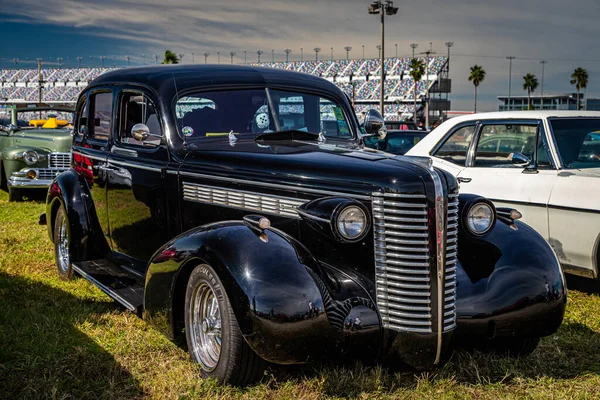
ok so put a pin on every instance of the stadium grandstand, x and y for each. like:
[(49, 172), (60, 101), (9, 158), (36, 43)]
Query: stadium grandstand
[(358, 78)]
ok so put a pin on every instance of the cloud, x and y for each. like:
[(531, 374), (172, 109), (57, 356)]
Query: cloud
[(539, 29)]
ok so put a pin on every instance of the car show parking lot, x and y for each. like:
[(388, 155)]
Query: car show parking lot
[(69, 340)]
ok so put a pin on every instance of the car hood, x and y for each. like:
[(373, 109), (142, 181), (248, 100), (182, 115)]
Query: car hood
[(311, 164), (58, 140)]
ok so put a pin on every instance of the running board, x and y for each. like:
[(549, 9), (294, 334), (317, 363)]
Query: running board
[(120, 284)]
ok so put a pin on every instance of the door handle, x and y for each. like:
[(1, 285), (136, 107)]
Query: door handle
[(462, 179)]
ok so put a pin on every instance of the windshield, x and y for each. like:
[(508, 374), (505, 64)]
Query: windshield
[(258, 111), (578, 141)]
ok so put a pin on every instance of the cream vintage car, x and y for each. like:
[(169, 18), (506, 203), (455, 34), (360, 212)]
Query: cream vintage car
[(545, 163)]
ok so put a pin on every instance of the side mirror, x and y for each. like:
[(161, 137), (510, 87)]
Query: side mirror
[(140, 132), (520, 160), (373, 122)]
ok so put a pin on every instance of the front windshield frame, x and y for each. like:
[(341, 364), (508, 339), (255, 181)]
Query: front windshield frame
[(350, 119), (563, 164)]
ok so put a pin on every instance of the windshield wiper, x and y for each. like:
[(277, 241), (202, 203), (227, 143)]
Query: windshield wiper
[(292, 134)]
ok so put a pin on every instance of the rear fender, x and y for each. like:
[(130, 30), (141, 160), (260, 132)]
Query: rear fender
[(270, 281), (72, 192)]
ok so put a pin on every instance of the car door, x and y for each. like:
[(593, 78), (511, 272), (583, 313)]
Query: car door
[(90, 143), (136, 180), (492, 169)]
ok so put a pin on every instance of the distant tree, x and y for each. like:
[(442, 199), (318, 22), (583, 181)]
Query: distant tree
[(170, 58), (579, 78), (530, 83), (417, 70), (476, 76)]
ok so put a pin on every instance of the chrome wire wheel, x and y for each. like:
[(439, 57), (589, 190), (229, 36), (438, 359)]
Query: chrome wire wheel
[(205, 323), (62, 247)]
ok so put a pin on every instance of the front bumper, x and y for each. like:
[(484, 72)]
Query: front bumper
[(43, 178)]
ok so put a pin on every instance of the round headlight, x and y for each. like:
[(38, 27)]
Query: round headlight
[(30, 157), (480, 218), (352, 223)]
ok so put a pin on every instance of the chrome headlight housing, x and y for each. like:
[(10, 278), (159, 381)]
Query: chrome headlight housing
[(480, 218), (30, 157), (352, 223)]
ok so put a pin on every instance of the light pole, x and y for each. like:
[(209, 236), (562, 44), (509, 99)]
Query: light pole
[(101, 61), (206, 57), (317, 50), (244, 57), (258, 54), (192, 57), (181, 55), (427, 53), (287, 54), (79, 61), (413, 46), (129, 59), (363, 47), (347, 48), (301, 54), (378, 51), (144, 55), (396, 45), (59, 59), (543, 62), (114, 61), (332, 54), (448, 45), (382, 8), (232, 53), (510, 59), (272, 55), (156, 59), (218, 57)]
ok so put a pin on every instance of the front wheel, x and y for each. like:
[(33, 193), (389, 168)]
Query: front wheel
[(62, 238), (213, 336)]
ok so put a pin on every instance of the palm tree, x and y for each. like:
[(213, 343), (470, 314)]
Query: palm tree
[(417, 70), (530, 84), (579, 78), (477, 76), (170, 58)]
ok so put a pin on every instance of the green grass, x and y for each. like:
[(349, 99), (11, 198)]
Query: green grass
[(67, 340)]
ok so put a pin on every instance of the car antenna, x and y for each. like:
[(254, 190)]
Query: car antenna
[(185, 145)]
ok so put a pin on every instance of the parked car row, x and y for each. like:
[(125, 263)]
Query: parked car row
[(237, 207)]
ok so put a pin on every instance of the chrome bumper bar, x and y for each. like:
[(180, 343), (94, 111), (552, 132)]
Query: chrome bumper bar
[(42, 180)]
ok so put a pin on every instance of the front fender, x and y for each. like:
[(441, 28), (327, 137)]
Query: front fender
[(270, 281), (72, 192), (11, 164), (510, 283)]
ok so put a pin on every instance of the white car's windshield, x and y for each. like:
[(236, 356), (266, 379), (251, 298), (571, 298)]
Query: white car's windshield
[(256, 112), (578, 141)]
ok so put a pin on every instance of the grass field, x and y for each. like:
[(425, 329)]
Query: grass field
[(67, 340)]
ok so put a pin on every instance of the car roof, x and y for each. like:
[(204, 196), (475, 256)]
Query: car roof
[(532, 114), (183, 76)]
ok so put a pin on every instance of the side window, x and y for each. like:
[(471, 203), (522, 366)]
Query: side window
[(81, 124), (498, 143), (333, 123), (99, 128), (456, 147), (136, 108)]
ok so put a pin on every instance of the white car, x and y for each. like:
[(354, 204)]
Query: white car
[(546, 164)]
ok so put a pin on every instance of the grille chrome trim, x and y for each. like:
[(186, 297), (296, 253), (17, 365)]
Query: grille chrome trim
[(252, 201), (59, 160), (451, 263)]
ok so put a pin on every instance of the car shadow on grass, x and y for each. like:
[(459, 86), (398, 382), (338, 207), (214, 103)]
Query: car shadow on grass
[(570, 353), (42, 352), (585, 285)]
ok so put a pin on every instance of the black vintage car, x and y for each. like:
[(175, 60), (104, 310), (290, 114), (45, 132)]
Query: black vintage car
[(236, 206)]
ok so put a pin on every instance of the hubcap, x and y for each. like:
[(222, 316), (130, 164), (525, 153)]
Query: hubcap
[(63, 246), (205, 324)]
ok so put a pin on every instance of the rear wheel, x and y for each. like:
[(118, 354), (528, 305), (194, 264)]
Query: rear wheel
[(213, 336), (62, 239), (15, 194)]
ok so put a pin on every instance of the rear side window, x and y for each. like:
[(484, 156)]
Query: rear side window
[(100, 125), (456, 146)]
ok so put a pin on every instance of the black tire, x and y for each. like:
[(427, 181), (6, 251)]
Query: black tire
[(15, 194), (237, 363), (62, 259), (516, 346)]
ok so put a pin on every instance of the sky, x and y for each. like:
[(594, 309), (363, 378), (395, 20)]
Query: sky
[(484, 32)]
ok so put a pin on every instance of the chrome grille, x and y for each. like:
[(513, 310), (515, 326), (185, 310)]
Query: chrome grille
[(402, 274), (59, 160), (48, 173), (451, 259), (283, 206)]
